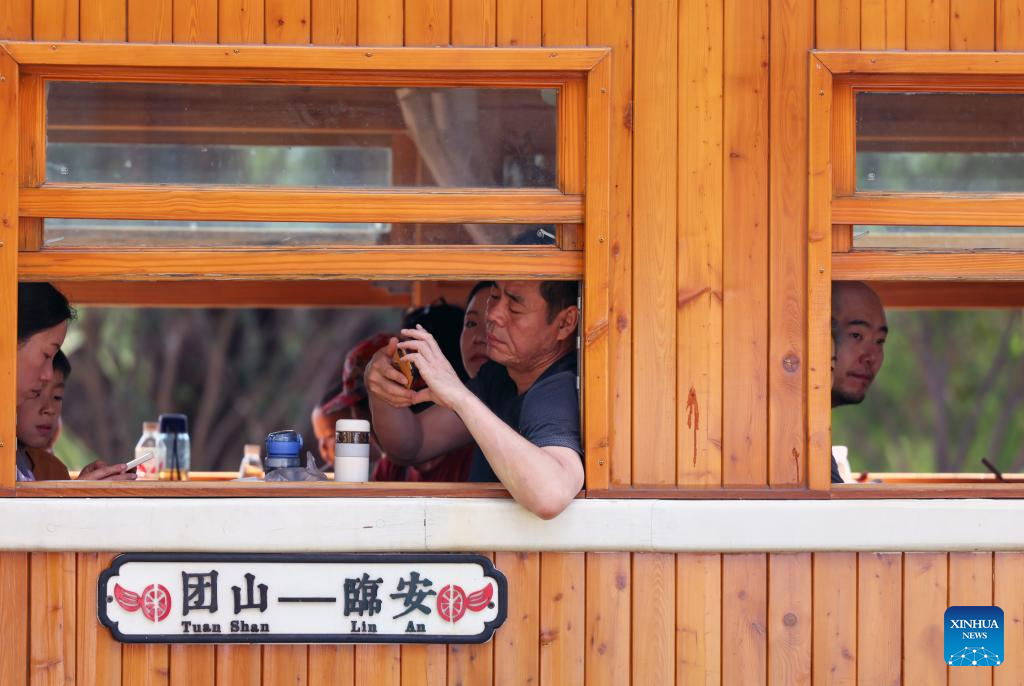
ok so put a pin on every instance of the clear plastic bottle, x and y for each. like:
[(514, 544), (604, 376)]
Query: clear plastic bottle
[(149, 470), (173, 447), (252, 464)]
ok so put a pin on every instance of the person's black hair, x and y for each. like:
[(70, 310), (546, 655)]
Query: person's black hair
[(559, 295), (479, 286), (444, 323), (62, 364), (40, 307)]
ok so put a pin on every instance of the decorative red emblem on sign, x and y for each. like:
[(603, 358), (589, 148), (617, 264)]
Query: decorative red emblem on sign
[(452, 601), (154, 601)]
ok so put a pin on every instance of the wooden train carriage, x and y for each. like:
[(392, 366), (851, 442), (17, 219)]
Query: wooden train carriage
[(705, 194)]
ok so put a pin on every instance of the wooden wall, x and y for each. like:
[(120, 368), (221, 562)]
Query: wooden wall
[(595, 618)]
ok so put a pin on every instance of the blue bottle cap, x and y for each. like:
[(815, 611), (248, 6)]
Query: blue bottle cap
[(283, 448)]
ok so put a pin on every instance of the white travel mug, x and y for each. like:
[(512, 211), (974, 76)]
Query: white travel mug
[(352, 450)]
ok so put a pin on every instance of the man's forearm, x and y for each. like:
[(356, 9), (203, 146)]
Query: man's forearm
[(397, 430)]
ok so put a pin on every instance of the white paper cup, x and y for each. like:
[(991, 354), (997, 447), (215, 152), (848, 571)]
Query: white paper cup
[(352, 459), (351, 469)]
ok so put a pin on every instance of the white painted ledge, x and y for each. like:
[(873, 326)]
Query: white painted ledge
[(454, 525)]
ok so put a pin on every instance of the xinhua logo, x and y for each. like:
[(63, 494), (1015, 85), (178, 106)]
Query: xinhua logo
[(974, 636)]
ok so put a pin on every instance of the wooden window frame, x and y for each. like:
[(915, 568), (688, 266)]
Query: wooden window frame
[(582, 252), (913, 277)]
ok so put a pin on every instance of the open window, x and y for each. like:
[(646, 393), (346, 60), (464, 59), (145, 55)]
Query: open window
[(253, 176), (917, 186)]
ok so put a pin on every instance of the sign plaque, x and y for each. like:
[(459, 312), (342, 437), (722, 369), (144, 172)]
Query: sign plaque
[(309, 598)]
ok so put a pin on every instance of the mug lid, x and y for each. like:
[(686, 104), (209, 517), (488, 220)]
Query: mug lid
[(352, 425)]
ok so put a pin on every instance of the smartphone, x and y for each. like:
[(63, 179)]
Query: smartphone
[(144, 457)]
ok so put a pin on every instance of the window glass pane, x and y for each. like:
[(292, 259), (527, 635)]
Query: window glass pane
[(938, 237), (77, 233), (300, 135), (942, 142)]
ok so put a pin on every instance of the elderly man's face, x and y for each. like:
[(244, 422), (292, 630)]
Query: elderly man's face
[(519, 334), (860, 345)]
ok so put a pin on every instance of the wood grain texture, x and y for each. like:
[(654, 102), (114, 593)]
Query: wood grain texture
[(1009, 24), (655, 188), (334, 22), (287, 22), (925, 599), (145, 665), (890, 266), (98, 655), (54, 20), (970, 583), (926, 209), (745, 618), (518, 22), (745, 242), (9, 153), (516, 645), (895, 24), (872, 24), (474, 22), (193, 665), (654, 618), (424, 665), (332, 665), (608, 615), (928, 24), (564, 22), (879, 595), (972, 24), (938, 296), (470, 664), (835, 618), (151, 21), (1008, 593), (16, 20), (699, 619), (238, 665), (789, 619), (562, 617), (32, 152), (380, 22), (837, 24), (240, 21), (699, 412), (427, 22), (52, 618), (14, 614), (285, 665), (792, 31), (610, 22), (195, 21), (104, 21)]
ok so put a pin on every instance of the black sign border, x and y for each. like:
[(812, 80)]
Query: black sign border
[(323, 558)]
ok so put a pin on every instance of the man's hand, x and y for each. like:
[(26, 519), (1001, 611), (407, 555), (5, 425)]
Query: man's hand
[(101, 471), (384, 381), (443, 385)]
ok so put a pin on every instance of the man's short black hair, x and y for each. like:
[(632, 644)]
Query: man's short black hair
[(62, 364), (559, 295)]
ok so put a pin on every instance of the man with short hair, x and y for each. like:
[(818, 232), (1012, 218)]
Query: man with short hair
[(522, 409), (859, 330)]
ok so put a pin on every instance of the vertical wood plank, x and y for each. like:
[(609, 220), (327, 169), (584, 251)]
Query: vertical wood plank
[(1008, 593), (149, 21), (1009, 24), (424, 665), (474, 22), (562, 596), (895, 24), (610, 22), (55, 20), (195, 21), (285, 664), (745, 618), (608, 618), (238, 665), (654, 588), (470, 664), (145, 665), (972, 25), (699, 619), (334, 22), (924, 602), (970, 583), (427, 22), (9, 151), (928, 24), (378, 665), (655, 166), (516, 649), (16, 20), (745, 240), (333, 665), (835, 618), (789, 619), (519, 22), (564, 22), (14, 615), (32, 153), (872, 25), (287, 22), (699, 270), (52, 618), (380, 22), (192, 665), (837, 24), (792, 31), (240, 21), (98, 655), (879, 612), (105, 20)]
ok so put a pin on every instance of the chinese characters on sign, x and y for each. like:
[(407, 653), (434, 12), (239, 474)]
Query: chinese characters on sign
[(302, 598)]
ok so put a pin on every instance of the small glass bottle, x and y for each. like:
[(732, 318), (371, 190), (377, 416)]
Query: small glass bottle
[(352, 450), (173, 448), (149, 470), (252, 465)]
